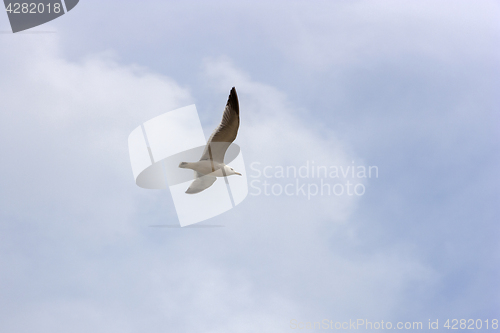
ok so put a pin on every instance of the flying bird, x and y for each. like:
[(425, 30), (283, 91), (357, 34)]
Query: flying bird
[(211, 164)]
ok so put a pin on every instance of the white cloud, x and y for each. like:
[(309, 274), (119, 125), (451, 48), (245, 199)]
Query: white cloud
[(75, 226)]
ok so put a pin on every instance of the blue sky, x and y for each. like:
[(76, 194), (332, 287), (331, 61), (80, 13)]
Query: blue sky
[(411, 87)]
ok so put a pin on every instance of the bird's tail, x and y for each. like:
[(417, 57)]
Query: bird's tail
[(183, 165)]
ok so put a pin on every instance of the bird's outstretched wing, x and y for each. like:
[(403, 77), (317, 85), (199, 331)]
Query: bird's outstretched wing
[(200, 183), (225, 133)]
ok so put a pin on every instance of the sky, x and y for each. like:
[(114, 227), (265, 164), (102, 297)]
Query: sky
[(410, 87)]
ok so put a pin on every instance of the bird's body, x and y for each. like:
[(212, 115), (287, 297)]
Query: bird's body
[(211, 164), (209, 168)]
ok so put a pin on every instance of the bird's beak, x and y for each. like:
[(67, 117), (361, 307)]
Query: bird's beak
[(239, 174)]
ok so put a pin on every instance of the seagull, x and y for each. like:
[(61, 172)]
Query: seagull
[(211, 164)]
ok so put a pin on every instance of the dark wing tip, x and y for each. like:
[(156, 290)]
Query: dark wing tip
[(232, 101)]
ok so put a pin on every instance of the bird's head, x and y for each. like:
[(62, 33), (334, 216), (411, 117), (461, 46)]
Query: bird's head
[(230, 171)]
